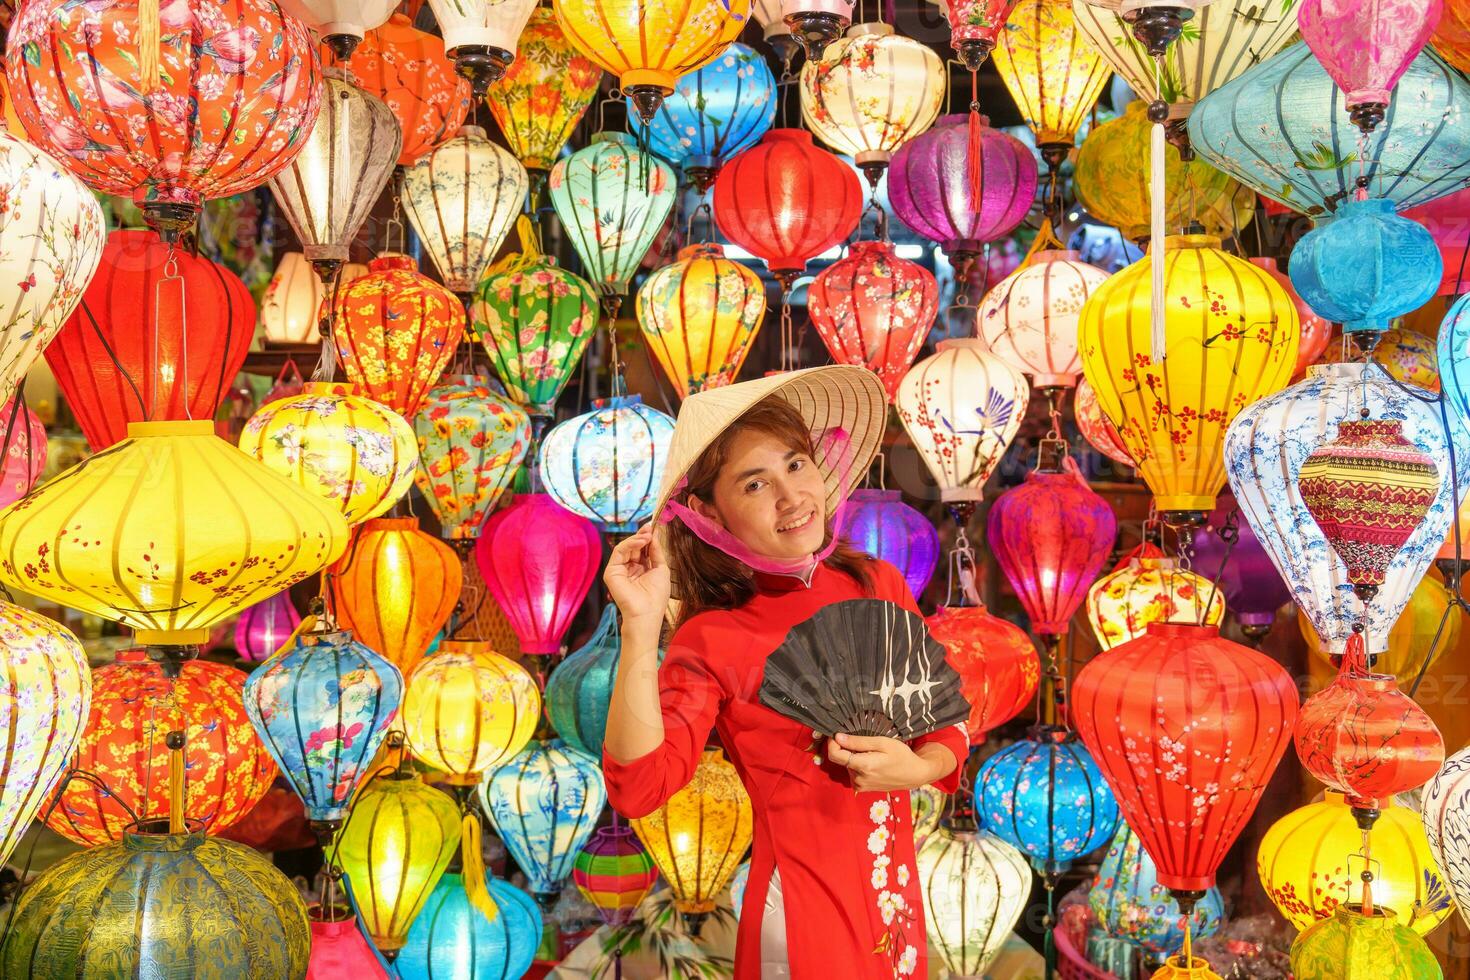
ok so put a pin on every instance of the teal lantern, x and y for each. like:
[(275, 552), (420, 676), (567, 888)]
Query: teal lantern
[(608, 464), (1366, 266), (544, 804), (1131, 905), (612, 199), (452, 940), (580, 688)]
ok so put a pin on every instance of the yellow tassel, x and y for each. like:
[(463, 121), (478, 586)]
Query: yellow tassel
[(1046, 239), (529, 253), (176, 791), (474, 868), (150, 37), (306, 625)]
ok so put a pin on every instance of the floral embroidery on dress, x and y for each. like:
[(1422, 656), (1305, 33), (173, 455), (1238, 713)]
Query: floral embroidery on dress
[(896, 911)]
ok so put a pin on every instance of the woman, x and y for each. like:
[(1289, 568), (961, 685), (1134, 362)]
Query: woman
[(755, 473)]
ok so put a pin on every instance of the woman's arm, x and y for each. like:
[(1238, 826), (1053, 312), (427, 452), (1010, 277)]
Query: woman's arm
[(635, 722)]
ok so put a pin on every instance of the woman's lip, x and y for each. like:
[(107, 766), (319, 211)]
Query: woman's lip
[(797, 527)]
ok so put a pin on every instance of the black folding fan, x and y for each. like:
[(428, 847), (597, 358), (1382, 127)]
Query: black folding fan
[(864, 667)]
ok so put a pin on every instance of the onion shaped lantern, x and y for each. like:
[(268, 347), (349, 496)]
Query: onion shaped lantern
[(1316, 331), (997, 664), (614, 873), (1252, 587), (1096, 427), (339, 948), (1421, 633), (468, 710), (975, 887), (608, 464), (1124, 603), (481, 36), (471, 443), (1356, 944), (1030, 317), (291, 308), (264, 627), (579, 690), (451, 932), (879, 523), (24, 454), (544, 93), (1366, 48), (407, 69), (340, 24), (1131, 905), (1051, 71), (973, 27)]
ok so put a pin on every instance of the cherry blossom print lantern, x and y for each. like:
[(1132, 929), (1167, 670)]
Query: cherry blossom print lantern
[(340, 24), (1123, 604), (1367, 47), (1051, 71), (214, 104), (879, 523), (1030, 318), (264, 627), (607, 465), (481, 36), (996, 662), (24, 451)]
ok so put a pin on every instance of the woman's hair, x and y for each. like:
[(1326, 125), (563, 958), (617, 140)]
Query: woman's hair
[(705, 577)]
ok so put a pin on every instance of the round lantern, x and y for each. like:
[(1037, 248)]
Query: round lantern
[(261, 629), (539, 560), (452, 938), (874, 309), (613, 872), (975, 887), (1051, 71), (1096, 428), (1417, 629), (134, 708), (612, 199), (1316, 331), (323, 707), (579, 690), (1252, 587), (469, 710), (1122, 604), (1410, 357), (1355, 946), (481, 36), (1030, 318), (407, 69), (339, 948), (147, 345), (170, 137), (24, 456), (1445, 816), (208, 901), (341, 25), (1171, 405), (879, 523), (608, 464), (996, 662), (396, 331), (1131, 905), (699, 316), (471, 443), (395, 588), (291, 308), (1367, 49), (170, 532)]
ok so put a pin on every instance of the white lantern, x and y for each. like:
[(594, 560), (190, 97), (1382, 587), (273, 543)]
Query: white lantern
[(1030, 318), (290, 310), (974, 886), (481, 36), (1446, 814), (341, 23)]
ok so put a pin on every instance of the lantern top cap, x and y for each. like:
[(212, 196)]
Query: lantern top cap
[(870, 29), (788, 136), (702, 250), (388, 261), (612, 136), (181, 427), (1191, 241), (468, 132), (1193, 631)]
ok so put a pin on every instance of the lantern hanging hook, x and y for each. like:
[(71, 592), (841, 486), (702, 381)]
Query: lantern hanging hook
[(175, 376)]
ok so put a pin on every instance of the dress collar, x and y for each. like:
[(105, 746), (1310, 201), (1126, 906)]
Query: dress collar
[(774, 583)]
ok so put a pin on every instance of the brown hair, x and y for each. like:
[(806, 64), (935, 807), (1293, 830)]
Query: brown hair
[(705, 577)]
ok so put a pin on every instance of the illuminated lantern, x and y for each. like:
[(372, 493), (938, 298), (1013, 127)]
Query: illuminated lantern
[(975, 887), (1410, 357), (339, 949), (1417, 633), (1367, 48), (1096, 428), (1445, 816), (333, 442), (452, 938), (1131, 905), (1353, 945), (538, 560), (996, 662), (874, 309), (323, 707), (543, 94), (25, 451), (613, 872), (1051, 71), (406, 68), (1452, 357), (462, 198), (973, 28), (341, 25), (962, 408), (648, 47), (699, 835), (481, 36), (926, 806), (1030, 318), (579, 690), (1173, 428), (471, 442), (395, 588), (1451, 38), (544, 804), (393, 849), (879, 523), (290, 310), (608, 464), (1122, 604), (699, 316), (171, 532), (146, 346), (261, 629), (134, 707), (396, 331), (1305, 865), (1316, 331), (469, 710), (1252, 587)]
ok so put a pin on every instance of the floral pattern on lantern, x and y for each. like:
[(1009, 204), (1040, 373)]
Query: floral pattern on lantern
[(1051, 71), (1444, 812), (25, 448), (879, 523), (544, 93), (471, 444), (613, 872), (1122, 604), (996, 662), (1030, 318), (608, 464), (975, 887), (1096, 428), (1131, 905), (1352, 944), (699, 316), (1408, 356), (1316, 332), (290, 310), (468, 710)]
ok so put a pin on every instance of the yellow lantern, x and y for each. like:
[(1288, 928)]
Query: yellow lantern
[(468, 709), (1054, 75), (170, 532), (698, 837), (1122, 604), (1410, 638), (337, 444), (699, 316), (1307, 866), (1230, 338), (1410, 357), (648, 45), (291, 309)]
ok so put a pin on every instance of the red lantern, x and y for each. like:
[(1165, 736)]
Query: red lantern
[(339, 949), (1316, 331), (874, 309), (785, 201), (996, 662), (1187, 728), (538, 560), (143, 346)]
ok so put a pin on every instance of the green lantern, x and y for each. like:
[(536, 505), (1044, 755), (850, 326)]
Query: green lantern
[(1354, 946)]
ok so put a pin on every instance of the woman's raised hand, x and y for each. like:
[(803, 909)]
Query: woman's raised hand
[(637, 576)]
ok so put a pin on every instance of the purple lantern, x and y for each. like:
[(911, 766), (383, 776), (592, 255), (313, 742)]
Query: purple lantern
[(929, 186), (1253, 587), (879, 523), (263, 629)]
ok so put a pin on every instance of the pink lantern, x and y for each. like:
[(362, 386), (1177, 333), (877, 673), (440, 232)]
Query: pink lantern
[(1366, 46), (339, 949), (263, 629), (973, 27), (25, 451), (1096, 427), (538, 561), (1448, 220)]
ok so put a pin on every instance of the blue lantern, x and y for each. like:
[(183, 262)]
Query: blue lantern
[(1045, 795), (1281, 128), (544, 804), (1130, 904), (322, 707), (1453, 353), (580, 688), (452, 940), (607, 465), (879, 523), (713, 114), (1366, 266)]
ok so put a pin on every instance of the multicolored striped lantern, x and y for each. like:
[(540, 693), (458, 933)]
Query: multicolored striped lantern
[(995, 659), (879, 523), (699, 316), (608, 464), (471, 444), (614, 873)]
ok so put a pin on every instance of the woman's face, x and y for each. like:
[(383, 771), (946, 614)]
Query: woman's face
[(770, 496)]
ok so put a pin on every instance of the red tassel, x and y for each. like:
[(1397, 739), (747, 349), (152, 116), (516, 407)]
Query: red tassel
[(1355, 656), (976, 128)]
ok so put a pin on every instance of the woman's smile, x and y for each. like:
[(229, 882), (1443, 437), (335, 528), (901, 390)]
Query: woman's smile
[(796, 524)]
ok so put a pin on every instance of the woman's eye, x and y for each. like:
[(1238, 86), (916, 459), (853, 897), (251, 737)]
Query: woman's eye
[(752, 486), (797, 464)]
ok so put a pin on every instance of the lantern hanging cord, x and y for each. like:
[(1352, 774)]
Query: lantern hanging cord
[(788, 332), (122, 372), (961, 568), (1157, 114), (170, 275), (1229, 534), (612, 306), (326, 365)]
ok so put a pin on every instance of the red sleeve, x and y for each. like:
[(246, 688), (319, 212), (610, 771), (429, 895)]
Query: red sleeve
[(689, 697)]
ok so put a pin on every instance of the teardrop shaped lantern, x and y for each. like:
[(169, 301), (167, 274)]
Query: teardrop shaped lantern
[(543, 95), (975, 887), (1353, 945), (995, 659), (450, 931), (1124, 603), (613, 872), (407, 69), (579, 690), (1130, 904), (261, 629), (1030, 317), (468, 710), (1096, 428), (481, 36), (340, 24), (291, 307), (1367, 47), (608, 464)]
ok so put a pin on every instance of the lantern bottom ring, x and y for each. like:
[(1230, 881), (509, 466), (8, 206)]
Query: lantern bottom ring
[(170, 218)]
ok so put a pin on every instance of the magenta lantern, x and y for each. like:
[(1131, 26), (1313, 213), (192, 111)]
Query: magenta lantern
[(263, 628), (538, 559), (25, 451), (1366, 46), (879, 523)]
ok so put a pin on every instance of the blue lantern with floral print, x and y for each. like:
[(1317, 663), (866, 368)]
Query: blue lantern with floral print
[(450, 938), (607, 465), (879, 523), (1131, 905)]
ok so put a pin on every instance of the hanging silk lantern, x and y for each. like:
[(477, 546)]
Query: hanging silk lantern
[(879, 523), (1452, 358), (1410, 357), (1130, 904), (1366, 49), (786, 202), (544, 803), (973, 27), (1124, 603), (613, 872), (146, 345), (962, 408), (1421, 631), (341, 25), (393, 849), (452, 938), (816, 23), (1354, 946), (134, 708), (699, 316), (172, 139), (322, 708), (481, 36), (1252, 587), (1051, 71), (24, 456), (1340, 267), (1096, 427), (543, 94), (1451, 38), (648, 47), (996, 662), (333, 442), (579, 690), (975, 887), (1173, 428), (462, 198), (209, 901), (290, 309), (395, 588), (539, 560), (396, 331), (1316, 331), (612, 199), (608, 464), (1304, 865), (339, 948), (468, 710), (261, 629), (1444, 814), (1030, 318), (471, 443), (171, 532), (407, 69), (874, 309)]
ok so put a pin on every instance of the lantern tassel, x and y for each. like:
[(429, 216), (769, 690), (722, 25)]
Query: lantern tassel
[(474, 868), (150, 31), (1156, 242), (175, 744), (977, 129)]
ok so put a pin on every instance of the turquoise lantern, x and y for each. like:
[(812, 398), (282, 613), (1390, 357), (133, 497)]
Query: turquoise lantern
[(452, 940), (1453, 354), (580, 688), (608, 464), (544, 804), (1131, 905)]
